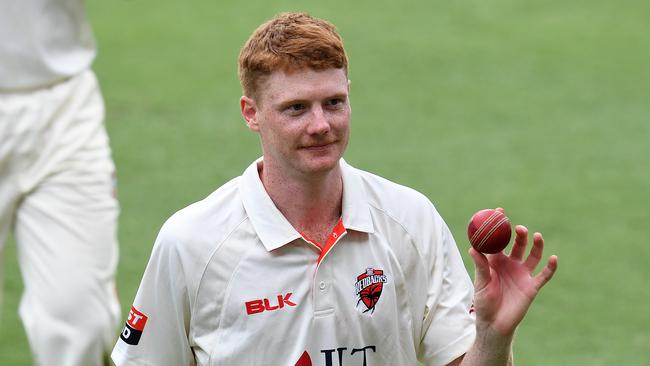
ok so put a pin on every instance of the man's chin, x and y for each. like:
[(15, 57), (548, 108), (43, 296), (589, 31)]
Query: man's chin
[(321, 164)]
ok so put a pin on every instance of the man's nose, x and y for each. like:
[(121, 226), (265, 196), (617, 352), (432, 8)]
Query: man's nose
[(319, 123)]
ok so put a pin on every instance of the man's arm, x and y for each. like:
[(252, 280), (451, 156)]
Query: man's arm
[(505, 288), (156, 330)]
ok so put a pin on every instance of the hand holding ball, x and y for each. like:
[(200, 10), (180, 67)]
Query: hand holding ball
[(489, 231)]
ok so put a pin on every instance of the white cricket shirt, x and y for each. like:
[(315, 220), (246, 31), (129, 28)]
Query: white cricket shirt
[(42, 42), (231, 282)]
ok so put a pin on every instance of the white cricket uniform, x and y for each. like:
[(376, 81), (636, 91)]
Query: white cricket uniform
[(57, 182), (231, 282)]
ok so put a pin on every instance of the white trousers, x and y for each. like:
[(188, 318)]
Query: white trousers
[(57, 195)]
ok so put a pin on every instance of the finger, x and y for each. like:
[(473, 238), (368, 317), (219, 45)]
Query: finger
[(482, 269), (521, 241), (500, 209), (535, 255), (547, 273)]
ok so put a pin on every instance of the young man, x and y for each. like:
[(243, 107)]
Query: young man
[(56, 182), (305, 260)]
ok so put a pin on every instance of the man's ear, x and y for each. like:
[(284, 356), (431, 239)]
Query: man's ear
[(249, 112)]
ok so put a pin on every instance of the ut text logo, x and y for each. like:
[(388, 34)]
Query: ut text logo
[(134, 326), (355, 357), (329, 352), (262, 305)]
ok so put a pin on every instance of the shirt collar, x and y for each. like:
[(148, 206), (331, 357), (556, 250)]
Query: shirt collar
[(275, 230), (356, 209)]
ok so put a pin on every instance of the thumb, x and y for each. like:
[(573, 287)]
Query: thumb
[(481, 269)]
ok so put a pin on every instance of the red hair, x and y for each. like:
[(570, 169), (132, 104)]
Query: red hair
[(289, 42)]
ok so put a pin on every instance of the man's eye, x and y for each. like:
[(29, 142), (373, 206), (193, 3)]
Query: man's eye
[(296, 107), (335, 102)]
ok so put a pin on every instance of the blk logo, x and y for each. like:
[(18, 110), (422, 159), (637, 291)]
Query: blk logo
[(262, 305), (368, 287), (134, 326)]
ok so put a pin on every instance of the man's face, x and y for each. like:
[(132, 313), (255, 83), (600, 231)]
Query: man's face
[(303, 120)]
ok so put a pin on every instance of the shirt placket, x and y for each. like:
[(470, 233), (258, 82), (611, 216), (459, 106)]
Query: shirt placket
[(322, 283)]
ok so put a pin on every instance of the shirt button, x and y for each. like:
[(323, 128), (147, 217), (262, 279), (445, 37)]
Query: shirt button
[(321, 285)]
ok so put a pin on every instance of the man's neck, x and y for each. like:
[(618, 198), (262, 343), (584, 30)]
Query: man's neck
[(311, 204)]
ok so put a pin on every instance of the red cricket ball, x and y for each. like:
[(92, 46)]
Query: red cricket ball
[(489, 231)]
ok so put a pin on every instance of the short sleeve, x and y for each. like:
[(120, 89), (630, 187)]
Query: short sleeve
[(449, 323), (157, 327)]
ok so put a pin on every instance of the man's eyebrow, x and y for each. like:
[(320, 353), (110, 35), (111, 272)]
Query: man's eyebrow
[(297, 100), (288, 102), (338, 96)]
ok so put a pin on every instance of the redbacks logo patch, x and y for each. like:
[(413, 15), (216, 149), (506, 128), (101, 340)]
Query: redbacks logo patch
[(368, 287), (134, 326)]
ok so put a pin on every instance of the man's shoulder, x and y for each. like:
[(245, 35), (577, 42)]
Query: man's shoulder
[(387, 194), (401, 205), (207, 220)]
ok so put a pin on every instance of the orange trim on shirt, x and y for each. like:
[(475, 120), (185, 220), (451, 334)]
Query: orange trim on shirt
[(337, 233), (312, 242)]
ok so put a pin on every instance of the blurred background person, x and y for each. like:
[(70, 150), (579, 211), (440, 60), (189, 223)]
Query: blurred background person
[(57, 191)]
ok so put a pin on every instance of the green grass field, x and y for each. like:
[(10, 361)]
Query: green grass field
[(541, 107)]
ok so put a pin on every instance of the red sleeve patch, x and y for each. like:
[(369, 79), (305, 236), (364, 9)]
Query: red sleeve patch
[(136, 320), (134, 326)]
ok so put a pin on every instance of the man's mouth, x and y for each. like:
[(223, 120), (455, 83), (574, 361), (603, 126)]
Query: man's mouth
[(317, 146)]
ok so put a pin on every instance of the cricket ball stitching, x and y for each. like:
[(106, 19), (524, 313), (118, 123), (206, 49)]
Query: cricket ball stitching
[(481, 228), (492, 230)]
